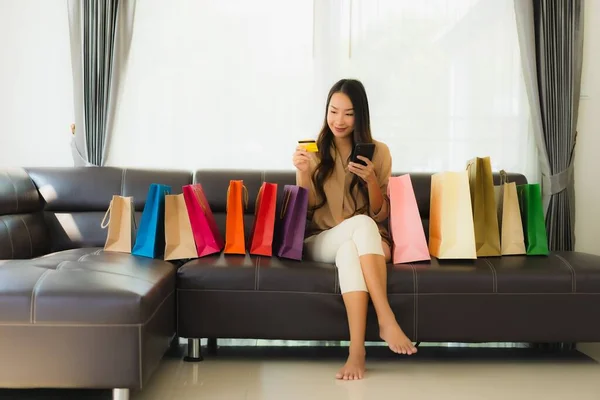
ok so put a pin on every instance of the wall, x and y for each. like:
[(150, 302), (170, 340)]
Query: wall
[(587, 155), (36, 101)]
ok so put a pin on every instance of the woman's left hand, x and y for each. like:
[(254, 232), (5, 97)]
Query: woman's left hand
[(366, 172)]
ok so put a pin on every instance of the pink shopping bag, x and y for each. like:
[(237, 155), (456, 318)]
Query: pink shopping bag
[(207, 237), (406, 227)]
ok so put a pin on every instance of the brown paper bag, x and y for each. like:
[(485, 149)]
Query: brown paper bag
[(451, 233), (121, 225), (509, 217), (483, 203), (179, 238)]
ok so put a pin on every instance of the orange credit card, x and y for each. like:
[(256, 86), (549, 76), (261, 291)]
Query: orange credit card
[(309, 145)]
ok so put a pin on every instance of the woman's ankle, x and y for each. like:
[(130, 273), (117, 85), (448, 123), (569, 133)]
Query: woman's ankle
[(357, 347)]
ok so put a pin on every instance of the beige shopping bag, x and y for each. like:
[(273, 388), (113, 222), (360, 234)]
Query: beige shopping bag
[(120, 220), (451, 232), (509, 216), (483, 203), (179, 238)]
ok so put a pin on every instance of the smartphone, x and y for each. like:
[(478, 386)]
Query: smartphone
[(362, 149)]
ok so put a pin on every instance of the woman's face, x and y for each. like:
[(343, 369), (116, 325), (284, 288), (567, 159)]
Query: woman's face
[(340, 115)]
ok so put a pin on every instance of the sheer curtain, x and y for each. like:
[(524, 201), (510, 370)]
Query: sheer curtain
[(235, 84)]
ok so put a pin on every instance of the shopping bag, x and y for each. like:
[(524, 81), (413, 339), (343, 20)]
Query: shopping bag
[(291, 224), (120, 224), (237, 201), (150, 240), (207, 237), (179, 239), (512, 241), (451, 232), (261, 235), (532, 215), (483, 203), (406, 227)]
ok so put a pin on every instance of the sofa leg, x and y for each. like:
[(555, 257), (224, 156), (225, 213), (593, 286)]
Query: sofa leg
[(212, 346), (194, 353), (120, 394)]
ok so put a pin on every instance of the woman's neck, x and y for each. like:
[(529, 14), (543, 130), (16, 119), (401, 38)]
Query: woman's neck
[(344, 145)]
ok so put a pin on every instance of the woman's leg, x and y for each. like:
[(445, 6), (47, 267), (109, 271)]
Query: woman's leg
[(366, 237), (356, 301)]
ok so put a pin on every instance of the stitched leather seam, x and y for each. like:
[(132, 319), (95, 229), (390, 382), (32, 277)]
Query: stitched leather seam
[(16, 192), (258, 273), (140, 353), (573, 273), (415, 297), (12, 247), (29, 236), (335, 281), (123, 173), (494, 275), (389, 294), (61, 264), (88, 325), (34, 294)]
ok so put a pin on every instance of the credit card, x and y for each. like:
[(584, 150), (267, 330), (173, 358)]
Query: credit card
[(309, 145)]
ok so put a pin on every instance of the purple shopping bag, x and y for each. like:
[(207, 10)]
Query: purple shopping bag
[(291, 224)]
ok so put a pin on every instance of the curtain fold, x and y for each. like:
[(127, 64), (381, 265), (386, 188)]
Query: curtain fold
[(100, 33), (551, 45)]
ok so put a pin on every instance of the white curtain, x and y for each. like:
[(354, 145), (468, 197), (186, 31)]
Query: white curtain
[(214, 84)]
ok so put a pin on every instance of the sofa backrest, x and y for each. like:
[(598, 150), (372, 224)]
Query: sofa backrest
[(76, 199), (23, 233), (215, 185), (68, 206)]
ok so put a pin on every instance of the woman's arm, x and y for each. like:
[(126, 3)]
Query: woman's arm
[(304, 179), (377, 185)]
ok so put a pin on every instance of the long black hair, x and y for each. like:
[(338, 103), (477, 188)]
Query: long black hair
[(355, 90)]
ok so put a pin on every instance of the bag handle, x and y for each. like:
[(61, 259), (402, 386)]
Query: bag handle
[(258, 198), (200, 201), (244, 200), (503, 177), (285, 204), (104, 224)]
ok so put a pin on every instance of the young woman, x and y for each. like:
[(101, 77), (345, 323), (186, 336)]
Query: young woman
[(348, 204)]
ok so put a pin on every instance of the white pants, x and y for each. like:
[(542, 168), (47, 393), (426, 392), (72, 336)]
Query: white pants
[(343, 245)]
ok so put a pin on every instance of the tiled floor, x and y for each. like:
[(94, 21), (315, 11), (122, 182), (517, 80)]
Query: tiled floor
[(307, 373)]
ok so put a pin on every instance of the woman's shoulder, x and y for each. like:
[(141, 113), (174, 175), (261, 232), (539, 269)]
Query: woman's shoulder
[(382, 151)]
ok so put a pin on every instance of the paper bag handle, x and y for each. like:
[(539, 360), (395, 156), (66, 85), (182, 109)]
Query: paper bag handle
[(104, 224), (285, 204), (503, 177), (245, 200)]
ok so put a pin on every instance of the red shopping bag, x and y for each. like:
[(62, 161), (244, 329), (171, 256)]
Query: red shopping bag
[(261, 236), (207, 237)]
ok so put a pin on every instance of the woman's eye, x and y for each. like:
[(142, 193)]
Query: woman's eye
[(349, 115), (333, 112)]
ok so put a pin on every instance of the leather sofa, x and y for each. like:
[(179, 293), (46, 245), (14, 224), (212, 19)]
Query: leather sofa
[(73, 316)]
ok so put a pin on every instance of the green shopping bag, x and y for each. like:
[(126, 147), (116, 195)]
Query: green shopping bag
[(534, 224)]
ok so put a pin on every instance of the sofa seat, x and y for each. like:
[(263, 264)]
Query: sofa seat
[(91, 311), (510, 298)]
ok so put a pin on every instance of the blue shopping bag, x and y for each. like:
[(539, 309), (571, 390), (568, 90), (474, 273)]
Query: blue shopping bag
[(150, 240)]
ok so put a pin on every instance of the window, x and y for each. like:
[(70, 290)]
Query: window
[(214, 84)]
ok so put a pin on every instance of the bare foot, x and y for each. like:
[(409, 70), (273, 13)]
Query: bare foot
[(396, 339), (354, 369)]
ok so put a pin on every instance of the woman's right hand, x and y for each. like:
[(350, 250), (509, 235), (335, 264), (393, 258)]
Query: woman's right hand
[(301, 159)]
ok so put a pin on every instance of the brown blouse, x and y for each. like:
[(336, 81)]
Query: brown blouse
[(340, 205)]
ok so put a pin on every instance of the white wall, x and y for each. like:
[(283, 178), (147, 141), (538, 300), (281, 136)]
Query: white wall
[(587, 156), (36, 100)]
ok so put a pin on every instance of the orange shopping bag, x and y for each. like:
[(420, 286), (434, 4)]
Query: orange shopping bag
[(237, 201)]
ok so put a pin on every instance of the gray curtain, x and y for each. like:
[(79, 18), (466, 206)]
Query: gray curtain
[(101, 32), (551, 42)]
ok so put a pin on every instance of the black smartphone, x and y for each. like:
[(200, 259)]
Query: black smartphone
[(362, 149)]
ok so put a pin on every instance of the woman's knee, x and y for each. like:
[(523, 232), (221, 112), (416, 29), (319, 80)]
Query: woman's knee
[(366, 235)]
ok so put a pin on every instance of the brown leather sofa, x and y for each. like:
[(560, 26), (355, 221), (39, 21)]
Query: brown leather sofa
[(73, 316)]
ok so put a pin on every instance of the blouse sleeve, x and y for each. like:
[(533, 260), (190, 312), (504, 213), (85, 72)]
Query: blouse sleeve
[(383, 169)]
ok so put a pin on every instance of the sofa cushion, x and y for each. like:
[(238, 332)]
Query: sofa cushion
[(84, 286)]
